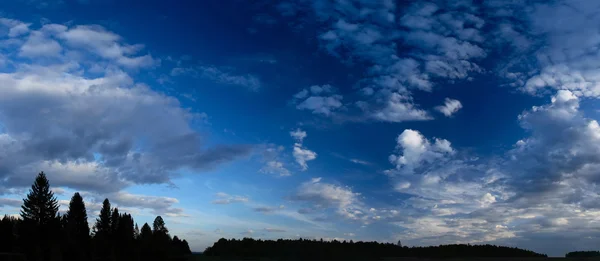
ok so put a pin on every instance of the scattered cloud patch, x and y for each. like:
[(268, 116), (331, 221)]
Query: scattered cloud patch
[(321, 100), (301, 154), (323, 196), (298, 135), (225, 199), (274, 230), (450, 107), (276, 168), (221, 76)]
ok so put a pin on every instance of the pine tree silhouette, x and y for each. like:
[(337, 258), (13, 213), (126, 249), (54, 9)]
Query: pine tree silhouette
[(103, 222), (78, 230), (40, 206), (102, 242), (43, 234), (146, 232), (40, 221), (114, 222)]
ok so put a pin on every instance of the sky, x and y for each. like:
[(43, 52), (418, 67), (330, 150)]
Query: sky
[(429, 122)]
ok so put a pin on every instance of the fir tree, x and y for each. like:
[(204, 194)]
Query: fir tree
[(146, 232), (78, 231), (77, 219), (114, 222), (103, 222), (40, 206)]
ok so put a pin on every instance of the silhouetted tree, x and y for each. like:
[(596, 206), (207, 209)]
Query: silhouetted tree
[(103, 222), (580, 254), (40, 206), (114, 221), (45, 235), (145, 243), (78, 230), (40, 223), (8, 234), (160, 239), (146, 232), (102, 244), (158, 226), (301, 249)]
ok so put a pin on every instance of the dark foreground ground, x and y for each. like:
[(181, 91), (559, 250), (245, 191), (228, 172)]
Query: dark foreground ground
[(199, 257)]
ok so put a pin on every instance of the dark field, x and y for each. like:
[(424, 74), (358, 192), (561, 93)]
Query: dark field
[(199, 257)]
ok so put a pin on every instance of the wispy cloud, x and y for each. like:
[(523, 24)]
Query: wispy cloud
[(221, 76), (450, 107), (225, 199)]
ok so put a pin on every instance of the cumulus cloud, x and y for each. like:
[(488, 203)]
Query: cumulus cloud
[(399, 108), (416, 150), (319, 99), (322, 195), (450, 107), (15, 27), (544, 187), (91, 132), (301, 155), (225, 199)]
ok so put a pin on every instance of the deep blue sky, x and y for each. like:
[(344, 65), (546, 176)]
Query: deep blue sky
[(430, 122)]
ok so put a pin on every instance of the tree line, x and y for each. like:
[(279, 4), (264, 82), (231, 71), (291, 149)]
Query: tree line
[(41, 233), (303, 249), (583, 254)]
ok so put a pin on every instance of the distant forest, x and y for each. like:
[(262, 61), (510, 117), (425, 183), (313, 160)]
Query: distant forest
[(303, 249), (41, 233), (583, 254)]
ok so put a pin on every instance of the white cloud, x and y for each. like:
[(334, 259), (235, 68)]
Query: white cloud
[(361, 162), (298, 135), (159, 205), (416, 150), (438, 43), (275, 167), (225, 199), (107, 45), (303, 155), (87, 131), (450, 107), (15, 28), (399, 108), (321, 195), (274, 161), (39, 45), (319, 99)]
